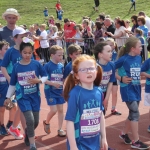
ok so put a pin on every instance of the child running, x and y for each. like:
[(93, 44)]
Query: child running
[(11, 57), (85, 119), (129, 68), (54, 88), (3, 90), (74, 51), (103, 55), (145, 71), (114, 48), (25, 81)]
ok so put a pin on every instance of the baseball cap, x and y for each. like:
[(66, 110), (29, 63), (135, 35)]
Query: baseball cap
[(19, 30)]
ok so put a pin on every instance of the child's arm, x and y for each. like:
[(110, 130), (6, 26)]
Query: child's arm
[(103, 139), (145, 74), (5, 73), (109, 89), (123, 79), (56, 85), (71, 135)]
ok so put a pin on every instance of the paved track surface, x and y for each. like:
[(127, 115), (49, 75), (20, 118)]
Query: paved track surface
[(114, 125)]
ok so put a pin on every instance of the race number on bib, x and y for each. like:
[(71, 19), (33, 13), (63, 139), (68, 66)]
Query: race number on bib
[(57, 78), (90, 121), (25, 76)]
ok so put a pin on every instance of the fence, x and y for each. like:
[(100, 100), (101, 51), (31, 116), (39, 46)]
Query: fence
[(87, 47)]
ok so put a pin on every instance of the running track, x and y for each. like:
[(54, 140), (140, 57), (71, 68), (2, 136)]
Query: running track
[(114, 125)]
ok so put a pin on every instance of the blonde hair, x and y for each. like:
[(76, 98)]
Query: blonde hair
[(113, 41), (43, 26), (71, 80), (54, 49), (126, 48), (54, 28), (52, 17), (86, 21)]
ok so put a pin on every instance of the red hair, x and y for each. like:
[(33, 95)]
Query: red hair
[(71, 80)]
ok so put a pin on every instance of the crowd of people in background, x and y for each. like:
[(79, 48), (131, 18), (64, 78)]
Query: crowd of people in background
[(71, 60)]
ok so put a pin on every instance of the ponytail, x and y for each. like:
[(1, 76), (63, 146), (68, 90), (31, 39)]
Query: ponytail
[(98, 78), (68, 85)]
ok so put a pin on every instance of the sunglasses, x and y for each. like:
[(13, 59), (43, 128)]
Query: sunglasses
[(127, 22), (138, 20), (132, 20)]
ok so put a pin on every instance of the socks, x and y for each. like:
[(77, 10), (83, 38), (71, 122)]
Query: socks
[(32, 145), (113, 107), (13, 127)]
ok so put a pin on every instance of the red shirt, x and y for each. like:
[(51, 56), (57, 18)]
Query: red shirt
[(69, 30), (58, 6)]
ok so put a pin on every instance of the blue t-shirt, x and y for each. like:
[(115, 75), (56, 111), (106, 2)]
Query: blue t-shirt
[(45, 12), (21, 74), (55, 74), (144, 29), (60, 14), (68, 69), (108, 75), (11, 57), (114, 56), (6, 34), (3, 86), (130, 66), (146, 68), (84, 110)]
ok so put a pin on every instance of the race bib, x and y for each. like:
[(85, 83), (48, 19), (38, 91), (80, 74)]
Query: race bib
[(90, 121), (135, 75), (57, 78), (23, 81), (25, 76), (2, 78)]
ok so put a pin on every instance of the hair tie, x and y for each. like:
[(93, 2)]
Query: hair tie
[(124, 46), (27, 40)]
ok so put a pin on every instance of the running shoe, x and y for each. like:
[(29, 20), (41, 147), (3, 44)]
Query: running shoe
[(115, 112), (16, 133), (125, 138), (139, 145), (33, 148), (46, 127), (3, 131), (148, 129)]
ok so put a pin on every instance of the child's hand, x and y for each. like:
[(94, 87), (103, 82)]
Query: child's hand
[(34, 80), (104, 145), (105, 103), (126, 79), (56, 85)]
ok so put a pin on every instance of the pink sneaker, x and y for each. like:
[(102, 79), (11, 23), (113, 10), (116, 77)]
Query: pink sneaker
[(16, 133)]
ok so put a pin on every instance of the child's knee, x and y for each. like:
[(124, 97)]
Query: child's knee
[(2, 109)]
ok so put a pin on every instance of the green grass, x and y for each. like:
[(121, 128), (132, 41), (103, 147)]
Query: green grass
[(31, 11)]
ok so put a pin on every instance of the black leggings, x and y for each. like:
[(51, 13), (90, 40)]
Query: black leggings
[(96, 3), (44, 52), (32, 121)]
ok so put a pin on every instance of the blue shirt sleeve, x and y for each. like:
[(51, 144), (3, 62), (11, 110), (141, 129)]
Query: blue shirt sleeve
[(146, 66), (13, 79), (72, 107), (119, 62), (6, 59), (112, 77)]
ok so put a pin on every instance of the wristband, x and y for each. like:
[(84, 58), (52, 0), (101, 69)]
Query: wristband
[(121, 79)]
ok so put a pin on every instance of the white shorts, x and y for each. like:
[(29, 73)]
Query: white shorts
[(147, 99)]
